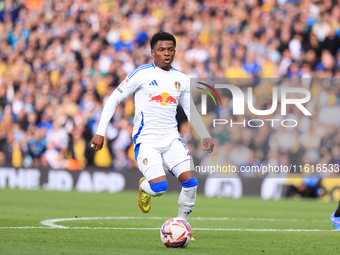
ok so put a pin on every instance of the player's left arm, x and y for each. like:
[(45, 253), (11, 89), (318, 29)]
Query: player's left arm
[(195, 119)]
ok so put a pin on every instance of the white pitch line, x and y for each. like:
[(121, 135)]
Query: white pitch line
[(51, 222), (258, 219), (194, 229), (23, 227)]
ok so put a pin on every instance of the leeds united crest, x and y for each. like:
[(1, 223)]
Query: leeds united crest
[(177, 85)]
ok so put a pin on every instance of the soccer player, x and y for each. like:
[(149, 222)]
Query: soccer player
[(335, 218), (158, 88)]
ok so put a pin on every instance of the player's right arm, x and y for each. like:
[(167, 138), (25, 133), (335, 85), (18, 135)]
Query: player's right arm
[(124, 90), (195, 119)]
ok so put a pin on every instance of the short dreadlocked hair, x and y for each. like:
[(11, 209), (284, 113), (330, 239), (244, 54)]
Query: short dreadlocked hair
[(162, 36)]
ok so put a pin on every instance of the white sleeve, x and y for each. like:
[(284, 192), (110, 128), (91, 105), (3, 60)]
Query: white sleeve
[(108, 111), (124, 90), (193, 116)]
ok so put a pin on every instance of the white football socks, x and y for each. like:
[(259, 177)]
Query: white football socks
[(186, 202)]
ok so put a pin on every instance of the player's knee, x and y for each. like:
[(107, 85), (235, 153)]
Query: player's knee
[(190, 183), (159, 187)]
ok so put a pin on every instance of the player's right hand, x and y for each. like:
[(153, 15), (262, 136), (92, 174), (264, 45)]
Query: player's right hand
[(208, 145), (97, 142)]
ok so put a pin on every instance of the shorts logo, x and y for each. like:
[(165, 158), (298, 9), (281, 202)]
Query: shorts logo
[(145, 161), (177, 85)]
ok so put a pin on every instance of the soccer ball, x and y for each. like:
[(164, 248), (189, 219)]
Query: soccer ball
[(175, 233)]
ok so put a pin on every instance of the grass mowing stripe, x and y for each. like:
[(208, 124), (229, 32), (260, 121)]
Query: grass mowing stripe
[(194, 229)]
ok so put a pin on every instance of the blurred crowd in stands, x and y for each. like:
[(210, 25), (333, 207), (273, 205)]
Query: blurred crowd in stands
[(61, 59)]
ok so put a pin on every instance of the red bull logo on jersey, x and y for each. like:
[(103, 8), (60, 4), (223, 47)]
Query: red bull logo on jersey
[(163, 99)]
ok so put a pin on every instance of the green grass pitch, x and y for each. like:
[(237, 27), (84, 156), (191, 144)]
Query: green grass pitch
[(28, 208)]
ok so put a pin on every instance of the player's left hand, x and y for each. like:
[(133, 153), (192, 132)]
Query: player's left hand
[(208, 145)]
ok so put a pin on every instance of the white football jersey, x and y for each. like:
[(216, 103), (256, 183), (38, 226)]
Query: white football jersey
[(156, 95)]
